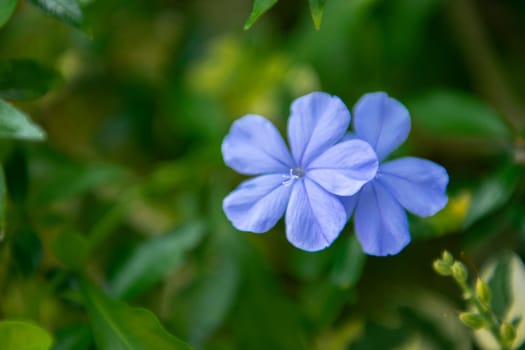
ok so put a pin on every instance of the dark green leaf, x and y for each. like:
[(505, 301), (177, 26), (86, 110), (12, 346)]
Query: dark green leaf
[(25, 79), (259, 7), (27, 250), (71, 249), (493, 193), (499, 284), (379, 336), (265, 318), (16, 335), (7, 7), (74, 337), (67, 11), (154, 260), (16, 125), (349, 263), (2, 203), (17, 176), (453, 113), (117, 326), (316, 9)]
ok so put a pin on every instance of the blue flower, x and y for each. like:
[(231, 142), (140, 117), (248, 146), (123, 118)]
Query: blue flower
[(410, 183), (306, 183)]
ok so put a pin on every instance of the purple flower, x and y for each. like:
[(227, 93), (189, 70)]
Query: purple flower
[(410, 183), (305, 183)]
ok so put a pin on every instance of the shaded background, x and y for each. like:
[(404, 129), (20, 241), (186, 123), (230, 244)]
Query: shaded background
[(128, 187)]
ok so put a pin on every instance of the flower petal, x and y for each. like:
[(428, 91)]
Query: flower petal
[(418, 184), (344, 168), (350, 136), (381, 121), (257, 204), (317, 121), (380, 222), (254, 146), (349, 203), (314, 217)]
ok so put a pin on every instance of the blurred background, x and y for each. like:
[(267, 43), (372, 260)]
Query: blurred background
[(127, 189)]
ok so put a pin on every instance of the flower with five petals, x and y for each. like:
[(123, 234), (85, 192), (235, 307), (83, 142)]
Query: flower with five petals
[(415, 184), (306, 183)]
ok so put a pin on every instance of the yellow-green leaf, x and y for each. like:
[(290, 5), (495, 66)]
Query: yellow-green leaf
[(17, 335), (259, 7), (317, 9)]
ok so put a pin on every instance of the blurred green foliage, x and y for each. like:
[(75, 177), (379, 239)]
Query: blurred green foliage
[(111, 118)]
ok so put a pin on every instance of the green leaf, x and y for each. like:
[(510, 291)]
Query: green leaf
[(321, 303), (316, 9), (16, 125), (68, 11), (26, 248), (154, 260), (259, 7), (7, 7), (505, 277), (16, 335), (499, 284), (17, 175), (2, 203), (378, 336), (309, 266), (493, 193), (71, 249), (25, 79), (407, 24), (265, 318), (73, 337), (454, 113), (70, 179), (212, 299), (117, 326), (349, 264)]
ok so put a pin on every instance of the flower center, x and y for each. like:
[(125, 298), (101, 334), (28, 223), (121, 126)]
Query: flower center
[(295, 173)]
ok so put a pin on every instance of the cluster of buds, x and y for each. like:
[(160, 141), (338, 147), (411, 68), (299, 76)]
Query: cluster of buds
[(482, 317)]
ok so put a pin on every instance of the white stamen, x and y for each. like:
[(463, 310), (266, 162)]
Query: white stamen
[(295, 173)]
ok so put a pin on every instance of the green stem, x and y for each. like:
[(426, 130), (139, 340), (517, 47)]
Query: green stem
[(487, 315)]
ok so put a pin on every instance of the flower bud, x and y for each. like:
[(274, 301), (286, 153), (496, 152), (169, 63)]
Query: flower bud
[(459, 272), (472, 320), (483, 291), (507, 333), (442, 268), (447, 257)]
